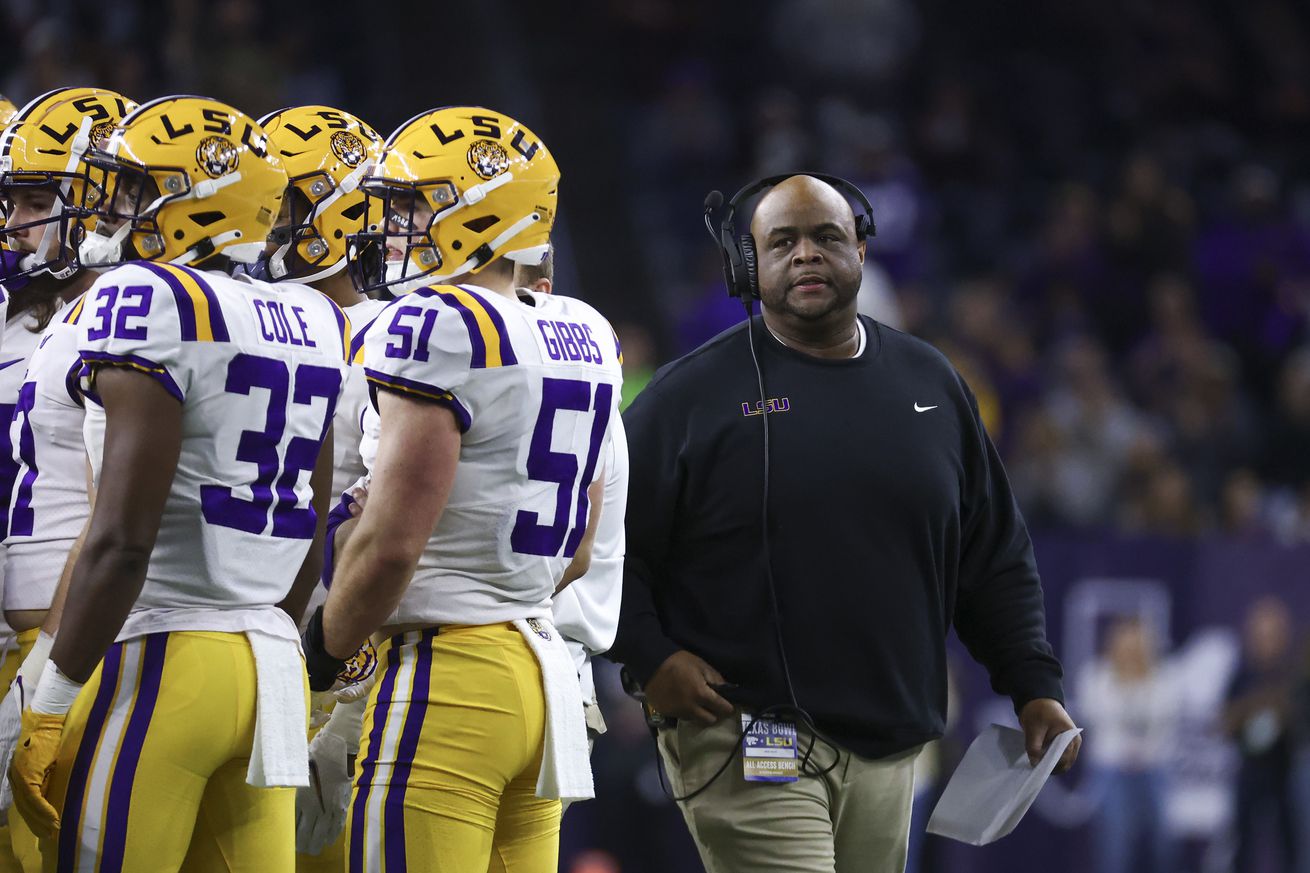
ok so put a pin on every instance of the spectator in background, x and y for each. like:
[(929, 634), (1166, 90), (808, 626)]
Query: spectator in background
[(1258, 716), (1086, 430), (1286, 458), (1131, 707)]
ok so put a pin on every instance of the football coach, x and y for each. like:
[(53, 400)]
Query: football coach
[(813, 504)]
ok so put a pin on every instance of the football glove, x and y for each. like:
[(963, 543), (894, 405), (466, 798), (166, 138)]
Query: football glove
[(29, 774), (321, 808), (11, 709)]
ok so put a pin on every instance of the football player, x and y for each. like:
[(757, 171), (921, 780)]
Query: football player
[(495, 409), (8, 260), (41, 180), (326, 153), (209, 432), (586, 608)]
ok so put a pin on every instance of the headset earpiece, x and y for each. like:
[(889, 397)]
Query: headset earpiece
[(746, 245), (740, 265)]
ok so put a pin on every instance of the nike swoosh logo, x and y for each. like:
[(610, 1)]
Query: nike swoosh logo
[(918, 408), (8, 364)]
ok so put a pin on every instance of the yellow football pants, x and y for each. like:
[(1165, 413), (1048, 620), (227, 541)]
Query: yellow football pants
[(151, 774), (18, 849), (451, 751)]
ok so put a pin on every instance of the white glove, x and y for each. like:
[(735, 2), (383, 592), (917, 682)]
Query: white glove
[(321, 808), (11, 708)]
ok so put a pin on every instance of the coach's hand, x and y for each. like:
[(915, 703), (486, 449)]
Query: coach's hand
[(1043, 720), (681, 688), (29, 774)]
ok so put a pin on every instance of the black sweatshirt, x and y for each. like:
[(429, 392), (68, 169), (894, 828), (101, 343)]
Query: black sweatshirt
[(890, 518)]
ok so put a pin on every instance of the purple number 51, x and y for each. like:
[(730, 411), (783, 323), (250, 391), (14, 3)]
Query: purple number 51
[(530, 536)]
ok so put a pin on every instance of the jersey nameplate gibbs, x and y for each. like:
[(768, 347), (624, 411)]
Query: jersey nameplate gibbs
[(567, 341)]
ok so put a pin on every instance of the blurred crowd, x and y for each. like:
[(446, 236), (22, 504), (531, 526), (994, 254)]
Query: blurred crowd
[(1099, 211)]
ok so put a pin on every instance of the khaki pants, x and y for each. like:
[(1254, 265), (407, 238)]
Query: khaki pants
[(854, 819)]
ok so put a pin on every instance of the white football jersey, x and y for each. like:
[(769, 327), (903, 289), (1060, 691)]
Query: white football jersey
[(534, 385), (258, 369), (348, 424), (18, 343), (48, 502)]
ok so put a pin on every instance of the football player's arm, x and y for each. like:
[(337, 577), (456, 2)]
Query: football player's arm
[(417, 457), (581, 562), (311, 569), (143, 439), (52, 617)]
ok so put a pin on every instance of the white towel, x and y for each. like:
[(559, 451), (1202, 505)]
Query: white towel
[(280, 756), (565, 763)]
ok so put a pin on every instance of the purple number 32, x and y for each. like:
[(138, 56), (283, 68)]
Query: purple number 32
[(530, 536), (275, 485)]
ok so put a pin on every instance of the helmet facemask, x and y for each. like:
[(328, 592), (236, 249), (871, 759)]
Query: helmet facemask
[(401, 217), (54, 197), (300, 252), (117, 216)]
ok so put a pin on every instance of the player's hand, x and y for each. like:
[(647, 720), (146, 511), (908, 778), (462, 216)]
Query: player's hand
[(321, 808), (358, 498), (11, 725), (354, 682), (29, 774), (681, 688), (1043, 720)]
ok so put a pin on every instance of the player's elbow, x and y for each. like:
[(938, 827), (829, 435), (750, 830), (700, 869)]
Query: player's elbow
[(393, 558), (115, 556)]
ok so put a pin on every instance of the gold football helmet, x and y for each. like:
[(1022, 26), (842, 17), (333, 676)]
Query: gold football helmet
[(456, 188), (7, 110), (182, 179), (326, 153), (41, 179)]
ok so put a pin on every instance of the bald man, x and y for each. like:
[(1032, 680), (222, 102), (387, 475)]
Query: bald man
[(889, 520)]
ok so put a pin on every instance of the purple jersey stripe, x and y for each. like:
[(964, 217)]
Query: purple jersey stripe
[(339, 514), (506, 350), (73, 382), (217, 323), (393, 814), (363, 782), (133, 362), (478, 359), (357, 338), (343, 326), (75, 796), (134, 739), (186, 307), (423, 391), (8, 464)]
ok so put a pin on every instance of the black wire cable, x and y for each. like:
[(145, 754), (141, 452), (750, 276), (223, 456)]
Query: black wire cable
[(794, 710)]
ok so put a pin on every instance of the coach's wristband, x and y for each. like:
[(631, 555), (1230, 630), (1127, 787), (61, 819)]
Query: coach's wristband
[(55, 693), (322, 667)]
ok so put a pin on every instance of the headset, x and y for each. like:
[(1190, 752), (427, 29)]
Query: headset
[(742, 277), (738, 250)]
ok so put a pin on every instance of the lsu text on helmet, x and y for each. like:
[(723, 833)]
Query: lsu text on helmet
[(456, 188), (326, 153), (41, 178), (182, 179)]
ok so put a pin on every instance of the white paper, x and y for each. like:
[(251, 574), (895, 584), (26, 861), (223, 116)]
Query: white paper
[(994, 786)]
